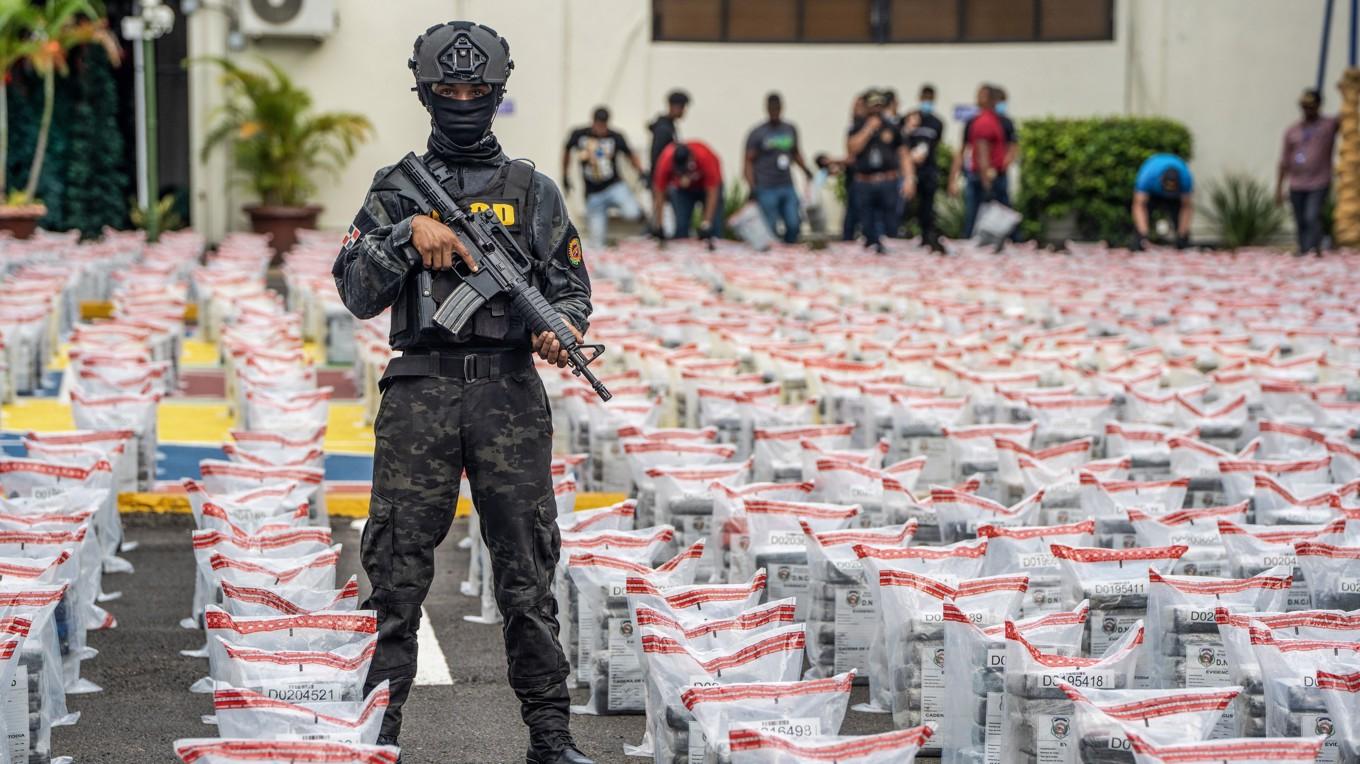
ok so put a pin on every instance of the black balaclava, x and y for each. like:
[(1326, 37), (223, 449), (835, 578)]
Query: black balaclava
[(461, 130)]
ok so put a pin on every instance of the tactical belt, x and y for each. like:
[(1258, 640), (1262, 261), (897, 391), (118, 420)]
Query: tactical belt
[(461, 366)]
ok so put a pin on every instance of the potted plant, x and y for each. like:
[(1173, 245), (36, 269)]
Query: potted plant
[(40, 35), (278, 144)]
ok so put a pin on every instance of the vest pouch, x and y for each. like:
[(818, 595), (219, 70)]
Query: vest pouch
[(492, 320)]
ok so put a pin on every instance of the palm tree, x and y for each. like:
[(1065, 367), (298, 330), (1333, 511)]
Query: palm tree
[(57, 28), (17, 18), (277, 141)]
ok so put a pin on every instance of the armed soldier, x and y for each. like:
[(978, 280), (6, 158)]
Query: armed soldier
[(467, 400)]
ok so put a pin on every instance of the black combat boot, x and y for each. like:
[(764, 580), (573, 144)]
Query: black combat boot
[(555, 749), (390, 741)]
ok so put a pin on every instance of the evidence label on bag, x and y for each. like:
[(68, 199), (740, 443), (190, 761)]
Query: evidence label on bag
[(625, 672), (856, 617), (304, 692), (16, 715)]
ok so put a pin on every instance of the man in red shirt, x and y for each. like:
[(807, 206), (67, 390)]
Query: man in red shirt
[(689, 174), (985, 160)]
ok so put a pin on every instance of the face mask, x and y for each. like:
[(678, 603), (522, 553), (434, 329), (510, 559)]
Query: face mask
[(1001, 108), (927, 107), (463, 122)]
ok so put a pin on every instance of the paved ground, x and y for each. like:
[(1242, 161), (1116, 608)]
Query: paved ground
[(146, 704)]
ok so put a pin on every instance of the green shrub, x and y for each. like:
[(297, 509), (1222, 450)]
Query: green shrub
[(1244, 210), (949, 215), (1087, 167)]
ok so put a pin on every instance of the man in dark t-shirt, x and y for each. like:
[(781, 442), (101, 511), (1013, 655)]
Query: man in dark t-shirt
[(883, 171), (664, 129), (922, 131), (771, 151), (598, 148)]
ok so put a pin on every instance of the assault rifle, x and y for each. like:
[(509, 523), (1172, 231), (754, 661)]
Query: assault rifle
[(501, 268)]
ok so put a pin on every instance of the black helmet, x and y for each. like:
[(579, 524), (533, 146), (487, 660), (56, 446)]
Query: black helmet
[(461, 51)]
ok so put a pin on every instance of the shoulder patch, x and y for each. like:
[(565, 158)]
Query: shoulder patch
[(574, 251), (351, 237)]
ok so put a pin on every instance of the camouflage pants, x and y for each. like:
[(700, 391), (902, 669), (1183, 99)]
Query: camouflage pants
[(430, 429)]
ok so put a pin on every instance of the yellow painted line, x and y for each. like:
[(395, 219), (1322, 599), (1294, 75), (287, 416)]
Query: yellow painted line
[(339, 504), (91, 310), (193, 423)]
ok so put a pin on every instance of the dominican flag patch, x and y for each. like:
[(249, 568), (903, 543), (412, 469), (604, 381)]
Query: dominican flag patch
[(351, 238)]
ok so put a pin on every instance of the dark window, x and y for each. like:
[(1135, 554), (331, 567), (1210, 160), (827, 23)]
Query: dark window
[(1075, 20), (837, 20), (997, 20), (762, 20), (924, 20), (882, 21)]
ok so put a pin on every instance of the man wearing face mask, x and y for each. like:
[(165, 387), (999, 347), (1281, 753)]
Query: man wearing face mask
[(468, 401), (922, 131)]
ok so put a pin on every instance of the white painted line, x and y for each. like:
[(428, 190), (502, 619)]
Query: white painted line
[(431, 668)]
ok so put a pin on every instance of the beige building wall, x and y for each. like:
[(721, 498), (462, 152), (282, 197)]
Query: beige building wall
[(1230, 69)]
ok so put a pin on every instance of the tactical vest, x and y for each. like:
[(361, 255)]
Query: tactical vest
[(495, 324)]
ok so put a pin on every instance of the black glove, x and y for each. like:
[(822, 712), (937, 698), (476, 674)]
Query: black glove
[(1138, 243)]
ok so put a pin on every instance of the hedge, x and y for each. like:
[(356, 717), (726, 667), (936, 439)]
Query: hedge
[(1087, 167), (87, 179)]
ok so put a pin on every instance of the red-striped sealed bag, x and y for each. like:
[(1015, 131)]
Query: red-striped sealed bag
[(238, 751), (752, 746), (251, 715), (805, 709)]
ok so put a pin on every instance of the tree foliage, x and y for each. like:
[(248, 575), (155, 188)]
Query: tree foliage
[(277, 142)]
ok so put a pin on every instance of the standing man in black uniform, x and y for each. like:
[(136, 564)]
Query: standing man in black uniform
[(468, 401), (922, 131)]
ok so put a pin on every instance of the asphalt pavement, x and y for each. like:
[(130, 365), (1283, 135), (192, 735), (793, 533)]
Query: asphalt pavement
[(146, 704)]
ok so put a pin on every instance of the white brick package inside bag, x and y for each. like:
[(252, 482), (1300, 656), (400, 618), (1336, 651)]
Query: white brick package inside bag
[(1340, 692), (1160, 717), (752, 746), (1182, 646), (842, 613), (288, 600), (315, 632), (778, 545), (802, 709), (1232, 751), (1115, 583), (950, 563), (914, 630), (605, 633), (1028, 550), (1038, 712), (973, 728), (673, 667), (247, 714), (228, 477), (1295, 706), (1235, 629)]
